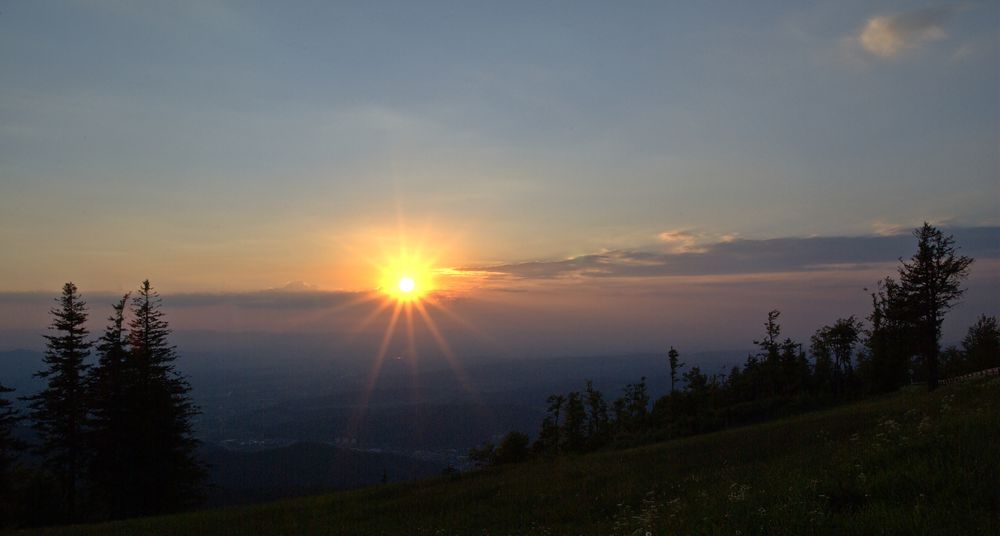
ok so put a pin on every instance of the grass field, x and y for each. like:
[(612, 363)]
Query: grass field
[(906, 463)]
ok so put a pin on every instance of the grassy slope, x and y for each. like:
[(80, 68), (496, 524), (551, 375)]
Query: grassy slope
[(908, 463)]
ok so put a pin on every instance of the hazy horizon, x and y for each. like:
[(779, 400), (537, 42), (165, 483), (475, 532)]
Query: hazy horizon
[(692, 300)]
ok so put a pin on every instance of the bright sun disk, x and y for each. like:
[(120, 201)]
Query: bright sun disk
[(406, 285)]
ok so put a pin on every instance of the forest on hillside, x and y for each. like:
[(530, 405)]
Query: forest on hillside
[(897, 344)]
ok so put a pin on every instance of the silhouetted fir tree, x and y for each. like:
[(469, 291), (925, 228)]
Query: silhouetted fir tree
[(638, 400), (9, 447), (549, 438), (696, 383), (166, 476), (823, 366), (631, 409), (752, 385), (835, 344), (931, 283), (981, 345), (573, 429), (794, 367), (59, 411), (769, 357), (597, 416), (675, 365), (620, 424), (112, 426), (890, 338)]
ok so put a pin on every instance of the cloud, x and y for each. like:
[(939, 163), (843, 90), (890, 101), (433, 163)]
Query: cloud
[(885, 228), (681, 241), (742, 256), (888, 36)]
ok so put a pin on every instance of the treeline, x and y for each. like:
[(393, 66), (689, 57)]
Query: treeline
[(898, 345), (112, 435)]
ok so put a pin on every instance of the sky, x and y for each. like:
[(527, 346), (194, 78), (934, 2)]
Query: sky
[(577, 175)]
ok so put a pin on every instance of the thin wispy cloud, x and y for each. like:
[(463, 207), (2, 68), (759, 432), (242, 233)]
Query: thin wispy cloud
[(889, 36), (743, 256), (688, 241), (681, 241)]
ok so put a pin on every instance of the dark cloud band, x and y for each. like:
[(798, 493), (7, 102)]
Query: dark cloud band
[(748, 256)]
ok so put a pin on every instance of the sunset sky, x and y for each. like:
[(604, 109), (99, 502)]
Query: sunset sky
[(595, 172)]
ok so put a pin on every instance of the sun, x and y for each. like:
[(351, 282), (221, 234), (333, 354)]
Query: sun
[(407, 278), (406, 284)]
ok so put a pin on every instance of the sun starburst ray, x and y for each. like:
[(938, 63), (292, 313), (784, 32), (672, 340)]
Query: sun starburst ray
[(445, 348), (366, 321), (373, 375), (438, 305), (481, 409)]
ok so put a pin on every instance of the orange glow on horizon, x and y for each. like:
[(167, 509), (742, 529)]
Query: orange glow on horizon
[(407, 277)]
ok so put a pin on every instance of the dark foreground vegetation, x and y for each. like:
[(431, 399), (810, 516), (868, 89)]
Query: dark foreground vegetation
[(911, 462), (112, 426)]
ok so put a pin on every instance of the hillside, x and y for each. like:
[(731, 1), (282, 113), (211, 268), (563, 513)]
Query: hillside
[(907, 463), (302, 469)]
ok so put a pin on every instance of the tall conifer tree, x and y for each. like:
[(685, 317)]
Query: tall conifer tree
[(59, 412), (675, 364), (166, 476), (112, 427), (9, 445), (932, 283)]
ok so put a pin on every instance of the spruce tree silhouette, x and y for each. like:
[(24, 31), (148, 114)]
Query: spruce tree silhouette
[(59, 411), (769, 356), (890, 339), (549, 439), (597, 416), (574, 424), (110, 433), (165, 475), (931, 283), (675, 365), (9, 446)]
